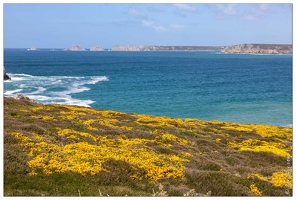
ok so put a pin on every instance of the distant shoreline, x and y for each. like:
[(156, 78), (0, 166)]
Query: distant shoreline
[(232, 49)]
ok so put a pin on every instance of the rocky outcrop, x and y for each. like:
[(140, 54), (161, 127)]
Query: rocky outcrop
[(259, 49), (74, 48), (5, 76), (125, 48), (166, 48), (97, 48), (21, 97), (33, 48)]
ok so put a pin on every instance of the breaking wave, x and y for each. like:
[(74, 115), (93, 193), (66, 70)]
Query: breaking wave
[(52, 89)]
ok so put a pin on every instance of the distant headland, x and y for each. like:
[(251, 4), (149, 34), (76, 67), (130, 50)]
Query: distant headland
[(259, 49), (232, 49), (166, 48)]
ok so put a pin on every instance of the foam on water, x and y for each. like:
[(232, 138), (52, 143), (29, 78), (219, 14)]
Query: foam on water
[(12, 92), (52, 89), (38, 91)]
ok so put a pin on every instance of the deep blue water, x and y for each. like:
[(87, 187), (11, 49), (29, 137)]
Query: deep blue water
[(205, 85)]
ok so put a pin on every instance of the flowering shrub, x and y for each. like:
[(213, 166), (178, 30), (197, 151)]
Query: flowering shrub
[(267, 131), (236, 127), (217, 140), (112, 148), (87, 158), (259, 176), (261, 146), (159, 121), (255, 190), (282, 178)]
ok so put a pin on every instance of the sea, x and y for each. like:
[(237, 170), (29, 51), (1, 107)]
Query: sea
[(240, 88)]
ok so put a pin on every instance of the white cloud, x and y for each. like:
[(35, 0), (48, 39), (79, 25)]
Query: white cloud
[(244, 12), (185, 7), (177, 26), (249, 17), (228, 9), (150, 24), (159, 28), (136, 14), (264, 6), (154, 9), (147, 23)]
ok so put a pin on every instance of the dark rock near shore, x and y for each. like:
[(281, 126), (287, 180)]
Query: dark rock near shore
[(5, 76)]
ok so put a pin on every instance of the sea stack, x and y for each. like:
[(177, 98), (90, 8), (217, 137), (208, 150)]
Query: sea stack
[(33, 48), (5, 76), (74, 48), (97, 48)]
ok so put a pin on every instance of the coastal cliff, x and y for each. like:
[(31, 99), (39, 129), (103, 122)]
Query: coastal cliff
[(259, 49), (165, 48), (74, 48), (125, 48)]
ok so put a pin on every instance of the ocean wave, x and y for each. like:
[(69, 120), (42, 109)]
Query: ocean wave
[(10, 74), (96, 79), (38, 98), (11, 92), (79, 102), (52, 89), (38, 91)]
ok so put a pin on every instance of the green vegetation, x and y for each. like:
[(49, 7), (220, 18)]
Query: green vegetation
[(59, 150)]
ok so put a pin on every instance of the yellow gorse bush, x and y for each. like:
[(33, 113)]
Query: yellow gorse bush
[(154, 121), (255, 190), (88, 157), (259, 176), (237, 127), (265, 131), (282, 179), (261, 146)]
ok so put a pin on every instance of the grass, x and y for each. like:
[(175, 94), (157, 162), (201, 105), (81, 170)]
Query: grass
[(59, 150)]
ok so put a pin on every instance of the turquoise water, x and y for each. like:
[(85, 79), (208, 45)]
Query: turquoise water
[(204, 85)]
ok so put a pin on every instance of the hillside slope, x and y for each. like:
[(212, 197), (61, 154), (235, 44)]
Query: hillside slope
[(59, 150)]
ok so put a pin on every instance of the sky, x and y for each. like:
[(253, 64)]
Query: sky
[(61, 25)]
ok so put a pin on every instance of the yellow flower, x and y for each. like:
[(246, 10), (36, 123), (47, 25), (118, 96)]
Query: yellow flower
[(217, 140), (283, 178), (255, 190), (259, 176), (87, 158), (261, 146)]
